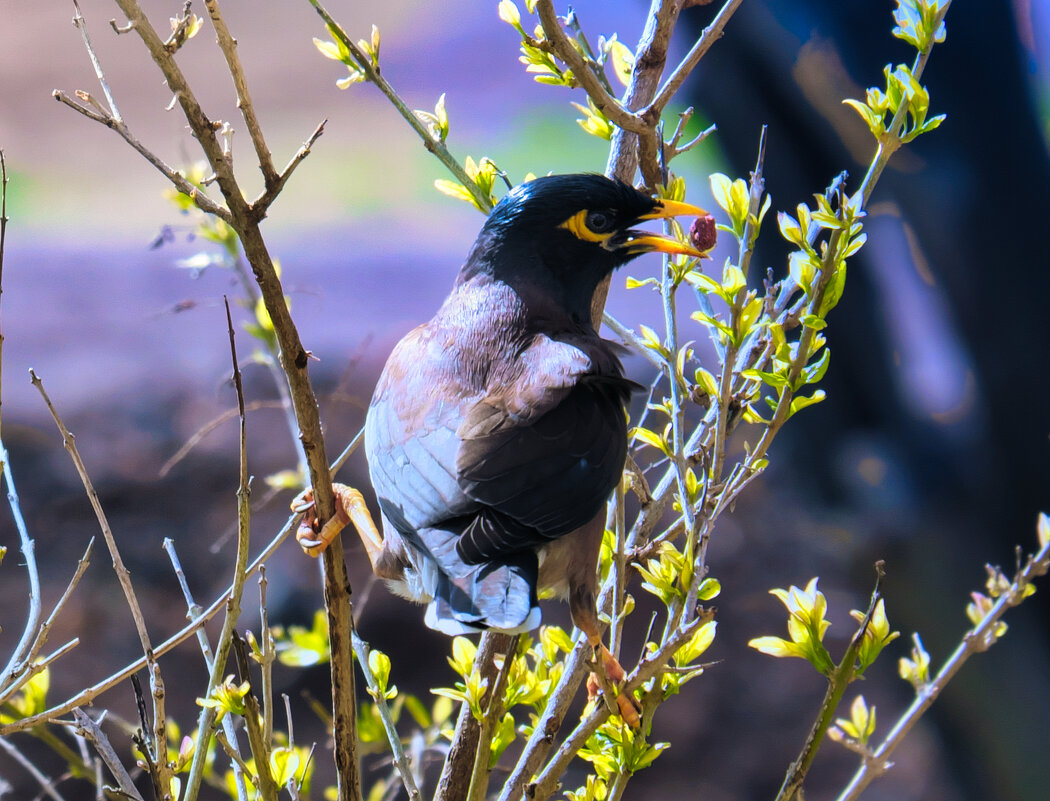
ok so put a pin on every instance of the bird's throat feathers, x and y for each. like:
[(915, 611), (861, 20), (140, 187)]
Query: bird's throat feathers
[(549, 280)]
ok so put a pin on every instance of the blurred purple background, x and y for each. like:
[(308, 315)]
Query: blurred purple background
[(931, 451)]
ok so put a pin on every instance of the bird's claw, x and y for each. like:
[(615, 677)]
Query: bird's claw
[(350, 506), (609, 669), (312, 537)]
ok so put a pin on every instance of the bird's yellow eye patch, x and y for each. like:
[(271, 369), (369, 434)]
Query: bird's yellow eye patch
[(582, 225)]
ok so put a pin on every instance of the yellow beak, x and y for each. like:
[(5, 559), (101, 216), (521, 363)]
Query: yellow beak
[(645, 242)]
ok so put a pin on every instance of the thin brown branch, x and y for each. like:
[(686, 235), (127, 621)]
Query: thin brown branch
[(233, 606), (204, 129), (563, 48), (124, 578), (123, 574), (228, 45), (112, 119), (196, 194), (89, 729), (671, 148), (67, 593), (294, 360), (79, 24), (47, 784), (712, 33), (210, 426), (194, 610), (240, 767), (262, 203)]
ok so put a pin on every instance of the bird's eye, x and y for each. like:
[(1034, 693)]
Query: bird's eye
[(600, 222)]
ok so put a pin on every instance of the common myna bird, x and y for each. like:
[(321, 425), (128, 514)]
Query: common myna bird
[(497, 431)]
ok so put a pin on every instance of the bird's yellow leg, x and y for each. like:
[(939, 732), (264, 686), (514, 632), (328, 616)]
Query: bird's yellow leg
[(608, 669), (350, 507)]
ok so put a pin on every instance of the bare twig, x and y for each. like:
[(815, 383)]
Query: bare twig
[(233, 605), (123, 577), (87, 728), (45, 629), (78, 22), (47, 784), (632, 339), (94, 691), (672, 149), (111, 119), (123, 574), (228, 45), (264, 200), (240, 767), (90, 693), (210, 426), (22, 671), (198, 195), (712, 33)]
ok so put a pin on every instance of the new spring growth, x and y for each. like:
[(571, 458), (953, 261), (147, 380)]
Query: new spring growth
[(876, 636), (806, 626), (860, 725)]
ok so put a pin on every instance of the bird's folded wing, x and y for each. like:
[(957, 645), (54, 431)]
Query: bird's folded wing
[(542, 452), (410, 437)]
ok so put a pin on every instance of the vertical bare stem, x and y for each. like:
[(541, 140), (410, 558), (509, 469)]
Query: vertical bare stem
[(233, 605)]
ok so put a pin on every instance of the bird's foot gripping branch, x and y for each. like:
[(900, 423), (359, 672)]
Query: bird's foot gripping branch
[(350, 507)]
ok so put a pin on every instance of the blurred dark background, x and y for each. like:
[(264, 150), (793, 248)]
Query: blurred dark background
[(930, 451)]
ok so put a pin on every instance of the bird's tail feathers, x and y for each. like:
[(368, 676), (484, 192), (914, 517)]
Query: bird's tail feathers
[(499, 595)]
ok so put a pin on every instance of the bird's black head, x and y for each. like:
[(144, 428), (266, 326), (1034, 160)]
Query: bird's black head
[(553, 239)]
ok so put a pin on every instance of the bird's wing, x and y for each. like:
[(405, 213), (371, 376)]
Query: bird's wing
[(410, 433), (412, 446), (541, 452)]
